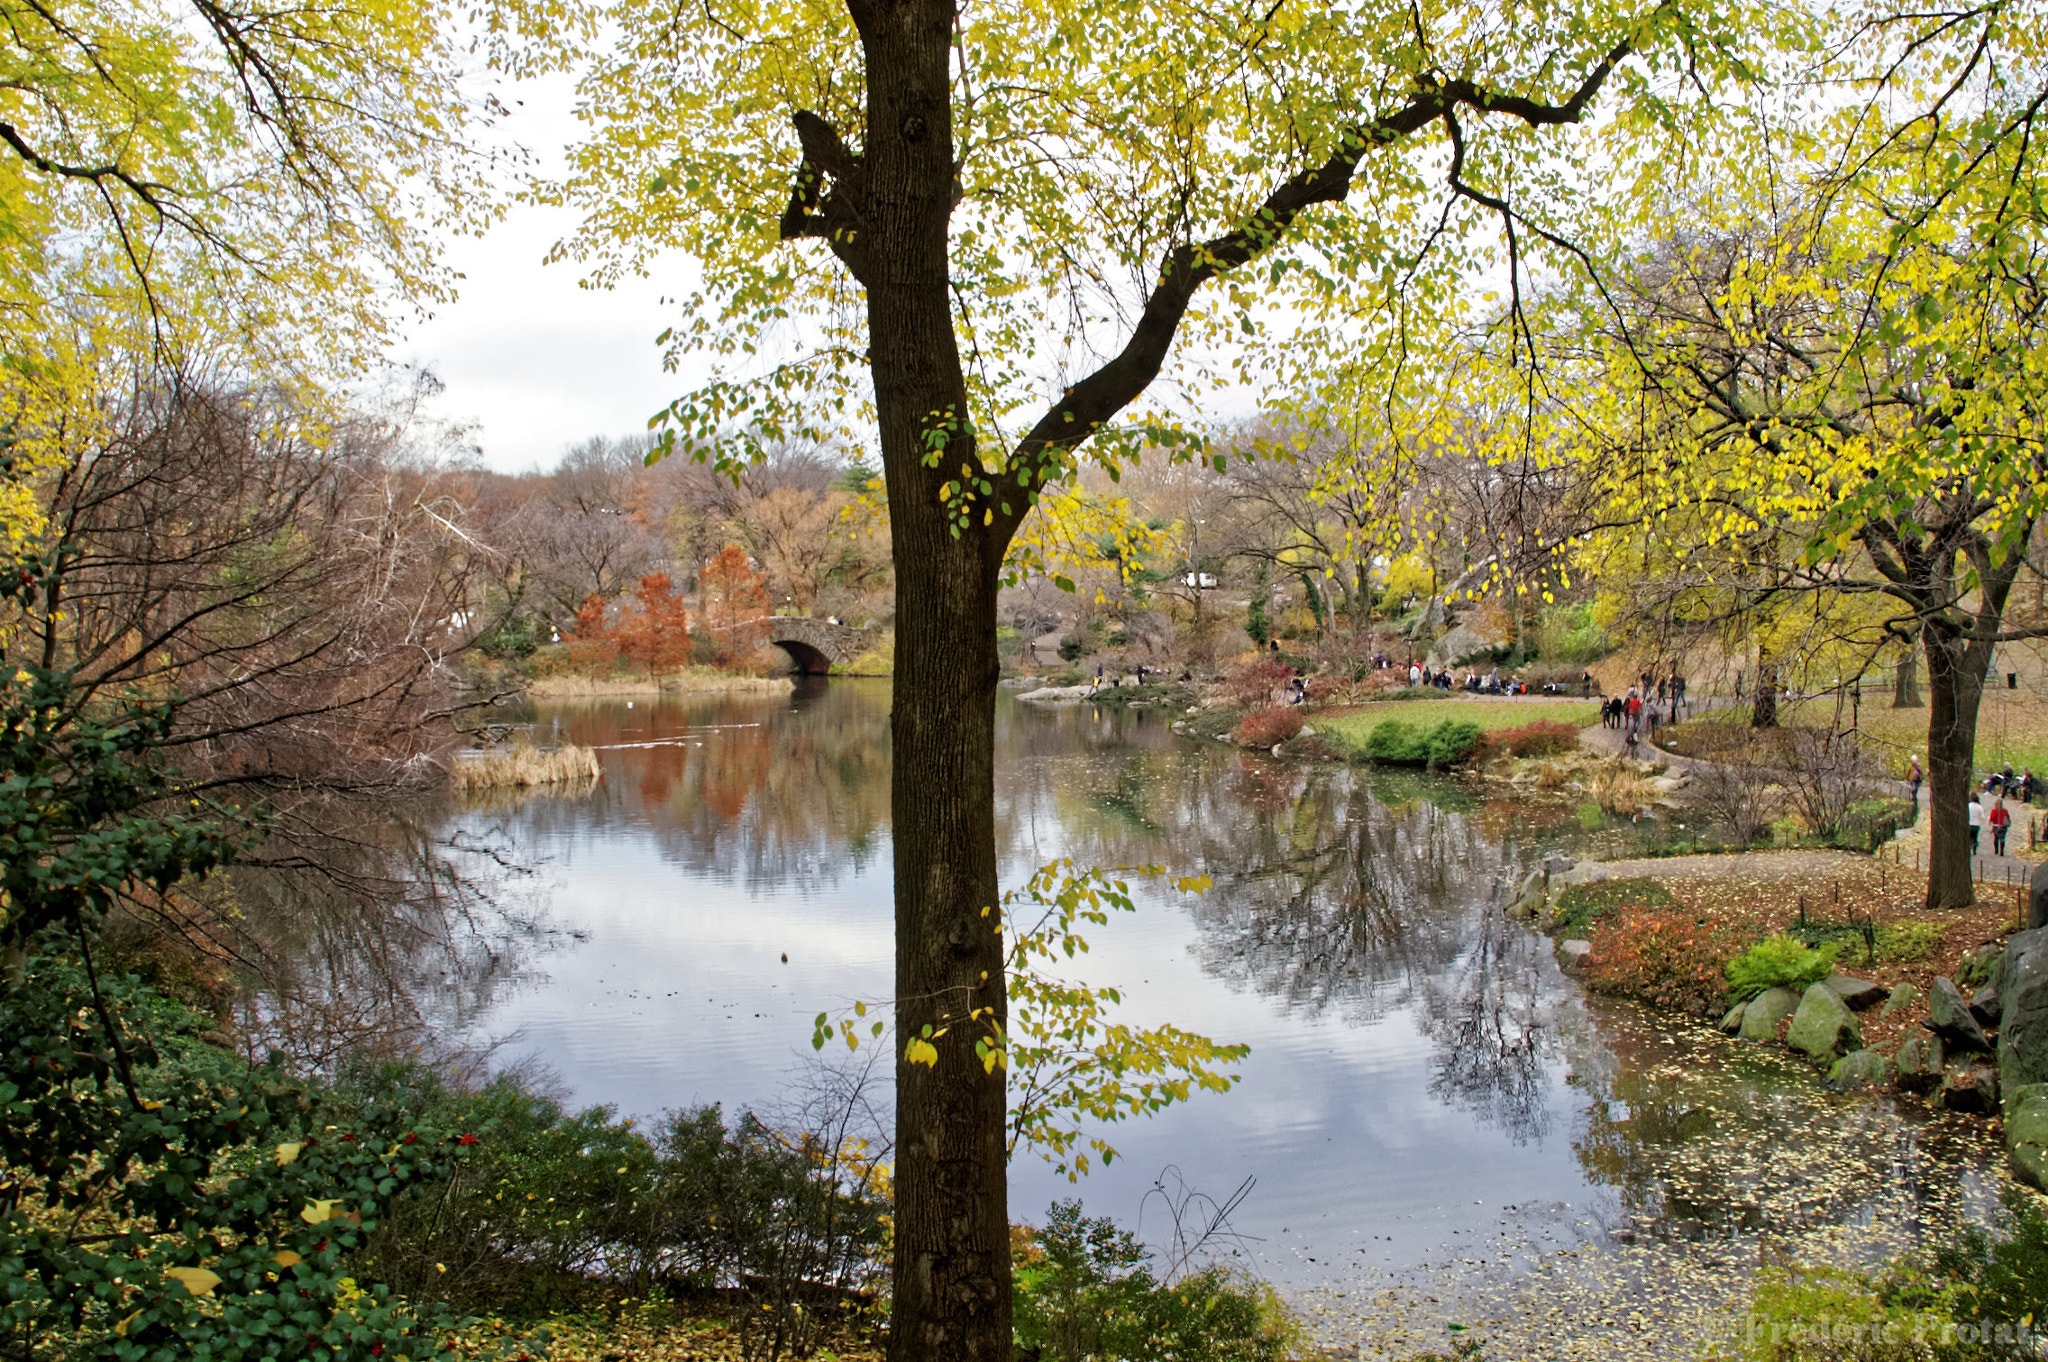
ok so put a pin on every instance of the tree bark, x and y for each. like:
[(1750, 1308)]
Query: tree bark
[(1955, 685), (1763, 705), (1906, 686), (951, 1287)]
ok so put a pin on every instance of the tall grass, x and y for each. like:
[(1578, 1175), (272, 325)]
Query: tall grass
[(575, 686), (522, 765)]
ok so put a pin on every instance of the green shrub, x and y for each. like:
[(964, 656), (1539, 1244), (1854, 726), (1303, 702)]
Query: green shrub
[(1083, 1292), (1072, 646), (1827, 1315), (1452, 741), (1905, 942), (1778, 962), (1993, 1280), (1446, 743), (1255, 623)]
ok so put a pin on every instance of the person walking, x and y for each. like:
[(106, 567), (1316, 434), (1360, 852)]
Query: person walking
[(1914, 780), (1976, 820), (1415, 673), (2000, 819)]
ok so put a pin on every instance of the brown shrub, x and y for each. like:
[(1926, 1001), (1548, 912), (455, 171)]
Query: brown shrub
[(1543, 738), (1668, 958), (1268, 726), (1254, 683)]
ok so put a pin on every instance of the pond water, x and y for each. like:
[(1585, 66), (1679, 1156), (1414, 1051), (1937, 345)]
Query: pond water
[(1420, 1073)]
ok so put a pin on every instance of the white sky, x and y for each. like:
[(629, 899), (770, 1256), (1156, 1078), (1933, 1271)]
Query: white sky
[(536, 362)]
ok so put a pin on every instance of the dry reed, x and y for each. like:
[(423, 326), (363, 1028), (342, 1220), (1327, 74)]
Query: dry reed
[(1624, 790), (522, 765), (573, 687)]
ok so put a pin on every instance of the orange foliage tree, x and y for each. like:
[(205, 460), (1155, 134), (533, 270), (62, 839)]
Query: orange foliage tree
[(735, 604), (655, 632)]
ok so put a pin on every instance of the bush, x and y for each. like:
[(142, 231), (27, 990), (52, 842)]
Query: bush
[(1996, 1281), (1072, 646), (1827, 1315), (1254, 683), (554, 1202), (1255, 623), (1543, 738), (1083, 1290), (1400, 743), (1904, 942), (1669, 958), (1777, 962), (1268, 727)]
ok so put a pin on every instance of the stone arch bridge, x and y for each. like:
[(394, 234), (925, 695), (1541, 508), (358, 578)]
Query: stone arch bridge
[(814, 644)]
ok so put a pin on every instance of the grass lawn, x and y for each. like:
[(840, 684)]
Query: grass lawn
[(2011, 726), (1349, 726)]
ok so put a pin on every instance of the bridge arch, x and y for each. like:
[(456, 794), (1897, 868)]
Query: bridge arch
[(815, 645)]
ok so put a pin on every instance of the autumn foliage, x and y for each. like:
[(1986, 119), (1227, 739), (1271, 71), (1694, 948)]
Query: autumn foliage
[(1670, 958), (651, 630), (735, 606), (1266, 727), (1543, 738), (1255, 683)]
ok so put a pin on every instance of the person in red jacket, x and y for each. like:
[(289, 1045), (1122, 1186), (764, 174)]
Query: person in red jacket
[(2000, 820)]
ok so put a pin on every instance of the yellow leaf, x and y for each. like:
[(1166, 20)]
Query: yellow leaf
[(318, 1212), (197, 1280), (121, 1329), (286, 1258), (288, 1152)]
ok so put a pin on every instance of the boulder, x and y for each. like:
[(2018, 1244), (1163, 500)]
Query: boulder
[(1760, 1019), (1984, 1006), (1903, 997), (1824, 1027), (1862, 1068), (2026, 1132), (1948, 1016), (1919, 1063), (2037, 897), (1970, 1088), (1859, 994), (1464, 643), (1575, 950), (2023, 1009), (1732, 1023)]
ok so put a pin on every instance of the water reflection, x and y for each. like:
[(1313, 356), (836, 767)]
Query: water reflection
[(1415, 1056)]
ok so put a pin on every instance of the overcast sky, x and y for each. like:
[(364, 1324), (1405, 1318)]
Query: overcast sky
[(535, 361)]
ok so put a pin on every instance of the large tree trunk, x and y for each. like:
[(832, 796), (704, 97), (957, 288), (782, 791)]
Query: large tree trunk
[(951, 1290), (1955, 685)]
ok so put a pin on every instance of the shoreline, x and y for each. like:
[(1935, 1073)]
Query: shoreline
[(684, 683)]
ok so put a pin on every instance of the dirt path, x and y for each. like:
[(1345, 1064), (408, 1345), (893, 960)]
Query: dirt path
[(1754, 865)]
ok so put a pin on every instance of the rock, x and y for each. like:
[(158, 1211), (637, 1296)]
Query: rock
[(1760, 1019), (1732, 1023), (1984, 1006), (1575, 949), (1862, 1068), (1903, 997), (2023, 1009), (1464, 643), (2037, 897), (1859, 994), (1948, 1016), (1557, 863), (2026, 1132), (1824, 1027), (1307, 732), (1971, 1088), (1919, 1063)]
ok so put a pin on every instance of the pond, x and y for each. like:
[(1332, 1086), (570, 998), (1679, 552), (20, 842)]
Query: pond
[(1421, 1073)]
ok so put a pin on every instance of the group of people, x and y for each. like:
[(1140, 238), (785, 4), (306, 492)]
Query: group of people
[(1987, 805), (1493, 683)]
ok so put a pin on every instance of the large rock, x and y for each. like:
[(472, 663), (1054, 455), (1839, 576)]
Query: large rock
[(1760, 1019), (2037, 897), (1903, 997), (2026, 1132), (1985, 1007), (1859, 994), (2023, 1009), (1732, 1023), (1824, 1027), (1862, 1068), (1919, 1063), (1948, 1016), (1464, 643), (1970, 1087)]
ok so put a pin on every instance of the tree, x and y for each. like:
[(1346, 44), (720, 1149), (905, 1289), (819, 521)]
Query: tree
[(937, 172)]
